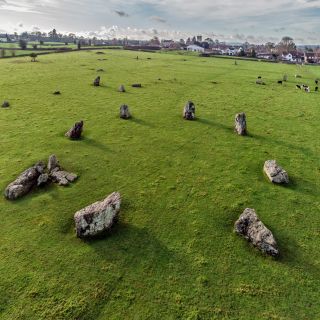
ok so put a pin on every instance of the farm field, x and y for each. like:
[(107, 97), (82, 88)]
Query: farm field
[(173, 253)]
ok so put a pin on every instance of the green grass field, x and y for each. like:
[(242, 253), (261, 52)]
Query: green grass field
[(173, 254)]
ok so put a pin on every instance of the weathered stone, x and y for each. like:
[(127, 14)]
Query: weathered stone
[(97, 218), (275, 173), (122, 89), (42, 179), (24, 183), (124, 112), (53, 163), (137, 85), (96, 81), (75, 132), (5, 104), (285, 77), (189, 111), (259, 81), (251, 228), (62, 177), (241, 124)]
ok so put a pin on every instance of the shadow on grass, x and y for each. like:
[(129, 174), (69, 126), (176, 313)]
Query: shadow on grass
[(94, 143), (141, 122), (214, 124)]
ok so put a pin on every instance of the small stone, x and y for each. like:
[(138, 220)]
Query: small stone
[(5, 104), (137, 85), (96, 81), (122, 89), (57, 92), (189, 111), (42, 179), (97, 218), (63, 178), (124, 112), (285, 78), (75, 132), (251, 228), (275, 173), (241, 124)]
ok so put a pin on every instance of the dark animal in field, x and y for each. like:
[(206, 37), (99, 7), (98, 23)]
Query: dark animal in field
[(279, 82), (136, 85), (316, 89), (96, 82), (57, 92), (298, 86)]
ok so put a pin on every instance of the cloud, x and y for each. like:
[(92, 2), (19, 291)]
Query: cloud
[(158, 19), (121, 13)]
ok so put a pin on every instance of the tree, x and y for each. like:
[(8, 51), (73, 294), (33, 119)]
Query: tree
[(79, 45), (286, 45), (241, 53), (23, 44), (53, 34), (270, 46), (253, 53), (33, 57)]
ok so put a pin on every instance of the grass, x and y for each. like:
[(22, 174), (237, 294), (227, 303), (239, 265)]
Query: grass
[(173, 254)]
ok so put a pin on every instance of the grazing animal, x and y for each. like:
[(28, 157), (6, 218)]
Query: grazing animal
[(280, 82), (316, 89), (298, 86)]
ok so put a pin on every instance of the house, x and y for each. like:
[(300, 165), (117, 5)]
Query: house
[(311, 57), (195, 48)]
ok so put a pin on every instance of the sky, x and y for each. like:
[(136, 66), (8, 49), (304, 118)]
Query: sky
[(255, 21)]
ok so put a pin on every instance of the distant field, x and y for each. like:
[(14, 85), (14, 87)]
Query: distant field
[(174, 254)]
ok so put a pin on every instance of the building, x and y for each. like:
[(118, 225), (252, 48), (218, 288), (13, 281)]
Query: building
[(195, 48)]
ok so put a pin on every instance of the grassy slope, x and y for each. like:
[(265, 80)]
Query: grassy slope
[(173, 254)]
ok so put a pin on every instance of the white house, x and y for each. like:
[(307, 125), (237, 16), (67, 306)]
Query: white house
[(195, 48)]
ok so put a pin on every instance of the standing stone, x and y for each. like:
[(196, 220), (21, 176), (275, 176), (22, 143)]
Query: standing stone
[(252, 228), (275, 173), (75, 132), (24, 183), (53, 163), (42, 179), (241, 124), (285, 77), (189, 111), (122, 89), (96, 81), (124, 112), (98, 218), (5, 104)]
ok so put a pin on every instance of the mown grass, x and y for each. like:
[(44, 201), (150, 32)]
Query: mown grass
[(173, 254)]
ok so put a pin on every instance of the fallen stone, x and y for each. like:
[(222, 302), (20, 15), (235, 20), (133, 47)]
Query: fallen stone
[(251, 228), (122, 89), (42, 179), (260, 82), (63, 178), (189, 111), (97, 218), (96, 81), (241, 124), (124, 112), (5, 104), (275, 173), (137, 85), (24, 183), (75, 132), (57, 92)]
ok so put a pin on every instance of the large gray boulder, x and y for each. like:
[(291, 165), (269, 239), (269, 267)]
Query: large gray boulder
[(98, 218), (275, 173), (240, 124), (189, 111), (251, 228), (24, 183)]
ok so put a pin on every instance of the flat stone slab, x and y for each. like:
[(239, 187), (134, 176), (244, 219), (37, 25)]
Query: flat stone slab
[(275, 173), (97, 218), (252, 228)]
